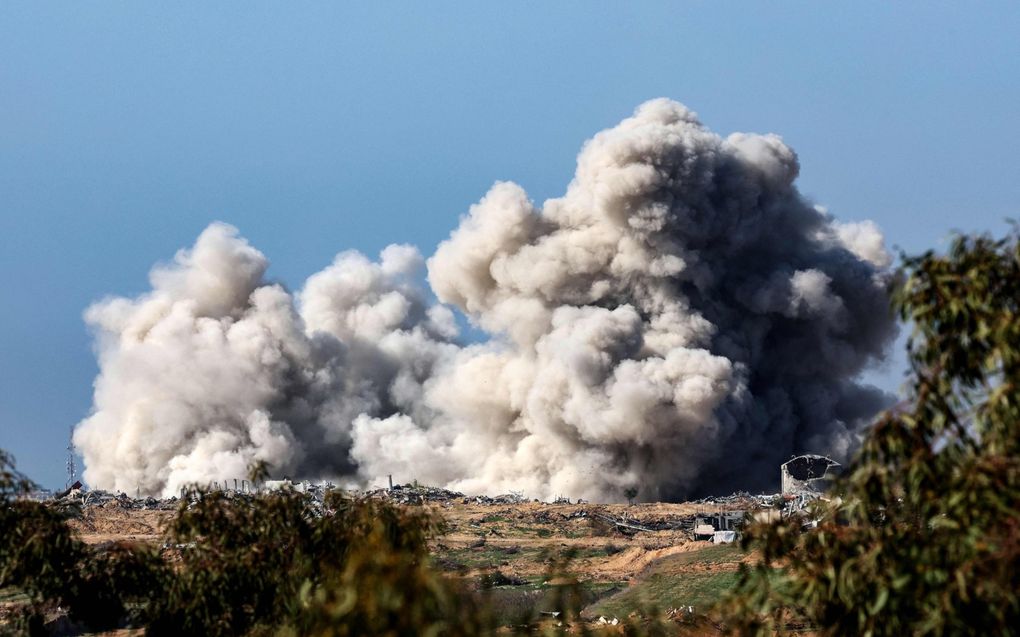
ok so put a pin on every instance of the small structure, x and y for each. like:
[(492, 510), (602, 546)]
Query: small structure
[(708, 527), (66, 492)]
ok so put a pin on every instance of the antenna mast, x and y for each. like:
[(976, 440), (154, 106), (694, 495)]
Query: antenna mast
[(72, 466)]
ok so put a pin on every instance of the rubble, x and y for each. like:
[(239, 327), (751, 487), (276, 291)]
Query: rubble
[(105, 499), (100, 498), (740, 498), (416, 494), (729, 515), (625, 525)]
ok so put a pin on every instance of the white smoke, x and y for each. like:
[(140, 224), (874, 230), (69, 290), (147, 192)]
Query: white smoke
[(680, 321)]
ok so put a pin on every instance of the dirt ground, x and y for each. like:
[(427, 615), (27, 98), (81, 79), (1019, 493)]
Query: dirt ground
[(111, 522), (522, 541)]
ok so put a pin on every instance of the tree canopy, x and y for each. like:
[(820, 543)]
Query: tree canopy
[(924, 534)]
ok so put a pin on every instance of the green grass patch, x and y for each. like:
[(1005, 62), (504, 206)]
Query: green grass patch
[(697, 578), (659, 592), (485, 557), (531, 530), (519, 605), (589, 552), (711, 554)]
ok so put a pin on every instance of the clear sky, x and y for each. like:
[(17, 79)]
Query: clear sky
[(125, 128)]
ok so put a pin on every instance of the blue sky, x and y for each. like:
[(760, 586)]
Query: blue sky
[(125, 128)]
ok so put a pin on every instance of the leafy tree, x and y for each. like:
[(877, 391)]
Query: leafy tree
[(925, 536), (40, 555), (276, 564), (630, 493)]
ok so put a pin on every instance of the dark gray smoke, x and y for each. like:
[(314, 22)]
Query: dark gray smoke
[(681, 320)]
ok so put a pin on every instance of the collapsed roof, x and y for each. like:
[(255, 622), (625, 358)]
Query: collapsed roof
[(808, 473)]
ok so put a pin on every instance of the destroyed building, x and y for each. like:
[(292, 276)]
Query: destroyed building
[(719, 527), (806, 478)]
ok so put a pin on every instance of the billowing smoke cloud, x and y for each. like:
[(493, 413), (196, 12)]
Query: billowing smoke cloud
[(680, 321)]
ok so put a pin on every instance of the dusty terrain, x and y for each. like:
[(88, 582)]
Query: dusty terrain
[(528, 546), (622, 558), (112, 522), (519, 539)]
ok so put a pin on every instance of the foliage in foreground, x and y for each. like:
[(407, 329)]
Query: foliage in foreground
[(269, 565), (924, 540), (361, 569), (926, 536), (40, 554)]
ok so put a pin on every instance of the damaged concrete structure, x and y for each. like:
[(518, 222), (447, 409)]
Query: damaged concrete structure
[(806, 478), (709, 527)]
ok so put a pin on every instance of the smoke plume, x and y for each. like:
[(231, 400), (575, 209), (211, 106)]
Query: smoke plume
[(681, 320)]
